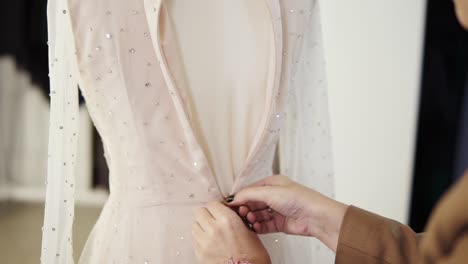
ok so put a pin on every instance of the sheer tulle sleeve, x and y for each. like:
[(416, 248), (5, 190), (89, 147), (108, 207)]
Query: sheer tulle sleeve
[(305, 150), (305, 142), (59, 202)]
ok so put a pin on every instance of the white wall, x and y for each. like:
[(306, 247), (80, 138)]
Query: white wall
[(374, 51)]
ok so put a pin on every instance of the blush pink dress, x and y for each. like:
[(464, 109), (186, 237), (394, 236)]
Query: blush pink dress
[(192, 100)]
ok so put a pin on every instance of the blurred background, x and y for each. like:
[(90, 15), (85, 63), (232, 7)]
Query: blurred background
[(397, 73)]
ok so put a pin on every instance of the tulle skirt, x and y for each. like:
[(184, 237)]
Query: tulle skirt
[(161, 234)]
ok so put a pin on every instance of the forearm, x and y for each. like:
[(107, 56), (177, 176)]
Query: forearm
[(369, 238)]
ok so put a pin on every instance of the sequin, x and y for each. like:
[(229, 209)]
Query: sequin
[(148, 84), (64, 11), (108, 35), (132, 50)]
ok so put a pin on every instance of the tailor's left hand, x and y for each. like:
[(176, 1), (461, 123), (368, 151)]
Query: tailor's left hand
[(219, 235)]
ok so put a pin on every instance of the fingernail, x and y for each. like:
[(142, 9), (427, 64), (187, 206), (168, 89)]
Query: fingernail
[(229, 199)]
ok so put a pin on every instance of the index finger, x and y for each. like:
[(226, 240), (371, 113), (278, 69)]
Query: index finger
[(257, 197)]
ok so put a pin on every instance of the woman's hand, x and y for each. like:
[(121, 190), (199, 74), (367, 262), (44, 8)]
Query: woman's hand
[(277, 204), (220, 235)]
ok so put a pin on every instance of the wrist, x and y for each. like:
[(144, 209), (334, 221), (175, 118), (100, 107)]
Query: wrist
[(326, 217)]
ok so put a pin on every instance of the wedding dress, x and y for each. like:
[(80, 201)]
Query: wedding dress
[(179, 131)]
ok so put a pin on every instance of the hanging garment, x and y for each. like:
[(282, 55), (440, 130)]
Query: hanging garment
[(132, 72), (100, 168), (461, 161), (23, 24), (443, 80)]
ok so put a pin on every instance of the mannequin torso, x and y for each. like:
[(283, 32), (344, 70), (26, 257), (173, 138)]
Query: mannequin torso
[(224, 47)]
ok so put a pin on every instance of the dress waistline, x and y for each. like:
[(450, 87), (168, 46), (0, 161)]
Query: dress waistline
[(150, 198)]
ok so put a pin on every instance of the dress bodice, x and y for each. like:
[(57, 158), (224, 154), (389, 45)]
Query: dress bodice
[(136, 91)]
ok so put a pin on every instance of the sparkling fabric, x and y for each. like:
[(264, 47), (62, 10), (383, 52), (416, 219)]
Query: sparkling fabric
[(127, 59)]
